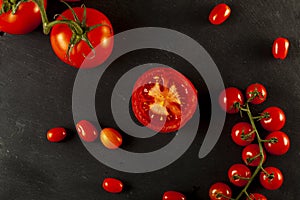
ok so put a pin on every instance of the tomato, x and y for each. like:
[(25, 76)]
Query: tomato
[(279, 144), (61, 34), (111, 138), (241, 133), (256, 196), (87, 131), (230, 99), (251, 155), (220, 191), (272, 180), (25, 20), (163, 99), (274, 119), (239, 174), (256, 93), (112, 185), (57, 134), (172, 195), (280, 48), (219, 14)]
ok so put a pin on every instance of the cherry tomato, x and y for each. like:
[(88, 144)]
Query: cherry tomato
[(256, 93), (219, 14), (251, 155), (112, 185), (87, 131), (61, 34), (111, 138), (256, 196), (57, 134), (26, 19), (163, 99), (279, 143), (220, 191), (239, 174), (230, 99), (274, 119), (280, 48), (172, 195), (272, 180), (241, 133)]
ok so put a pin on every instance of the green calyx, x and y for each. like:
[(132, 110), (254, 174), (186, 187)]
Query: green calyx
[(11, 5)]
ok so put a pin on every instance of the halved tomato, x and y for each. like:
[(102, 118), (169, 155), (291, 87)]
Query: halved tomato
[(163, 99)]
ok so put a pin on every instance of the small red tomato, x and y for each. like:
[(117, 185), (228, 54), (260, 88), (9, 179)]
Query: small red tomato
[(172, 195), (230, 99), (280, 48), (274, 119), (272, 180), (239, 174), (251, 155), (219, 14), (112, 185), (57, 134), (111, 138), (241, 133), (279, 143), (256, 93), (220, 191), (256, 196), (87, 131)]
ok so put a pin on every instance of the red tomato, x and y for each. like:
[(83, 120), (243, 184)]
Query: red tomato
[(272, 180), (240, 133), (112, 185), (219, 14), (280, 48), (279, 145), (230, 99), (256, 93), (239, 174), (26, 19), (172, 195), (99, 37), (220, 191), (111, 138), (251, 155), (274, 119), (163, 99), (256, 196), (87, 131), (57, 134)]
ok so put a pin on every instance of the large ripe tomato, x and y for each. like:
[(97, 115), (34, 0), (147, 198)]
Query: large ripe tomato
[(272, 179), (251, 155), (101, 39), (220, 191), (239, 174), (242, 134), (279, 143), (274, 119), (26, 19), (230, 99), (163, 99)]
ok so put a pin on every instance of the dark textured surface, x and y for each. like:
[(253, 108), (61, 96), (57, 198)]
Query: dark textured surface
[(36, 92)]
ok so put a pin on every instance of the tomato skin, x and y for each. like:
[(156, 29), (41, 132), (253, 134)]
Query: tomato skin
[(57, 134), (239, 170), (112, 185), (280, 48), (25, 20), (111, 138), (220, 188), (219, 14), (256, 196), (271, 183), (256, 88), (281, 146), (229, 98), (239, 131), (173, 195), (275, 121), (163, 99), (251, 151), (86, 131), (101, 39)]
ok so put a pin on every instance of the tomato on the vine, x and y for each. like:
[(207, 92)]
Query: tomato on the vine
[(280, 48), (239, 174), (256, 196), (219, 14), (230, 99), (111, 138), (251, 155), (173, 195), (163, 99), (271, 178), (26, 18), (242, 133), (256, 93), (273, 119), (220, 191), (279, 143)]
